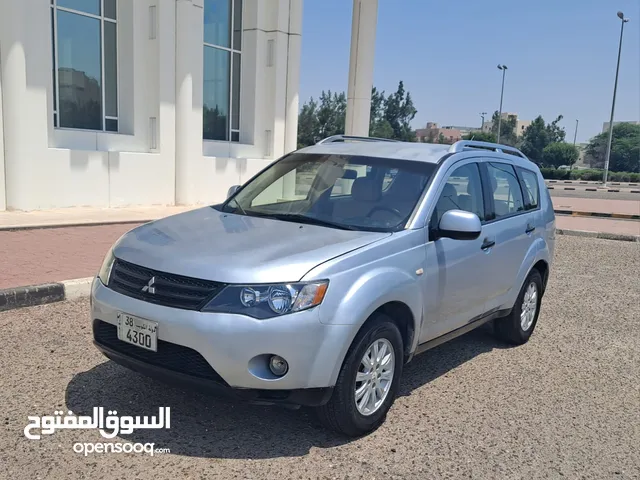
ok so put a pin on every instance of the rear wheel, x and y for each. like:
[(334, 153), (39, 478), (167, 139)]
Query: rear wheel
[(517, 327), (368, 381)]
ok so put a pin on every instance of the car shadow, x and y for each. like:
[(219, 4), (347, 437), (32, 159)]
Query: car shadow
[(215, 427)]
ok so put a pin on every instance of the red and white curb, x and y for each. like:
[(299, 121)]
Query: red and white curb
[(32, 295)]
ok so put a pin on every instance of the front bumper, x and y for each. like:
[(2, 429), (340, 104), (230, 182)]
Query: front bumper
[(226, 343)]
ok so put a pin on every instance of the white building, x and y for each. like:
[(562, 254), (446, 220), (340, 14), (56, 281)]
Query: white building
[(111, 103), (121, 102)]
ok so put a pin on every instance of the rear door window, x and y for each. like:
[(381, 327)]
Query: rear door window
[(530, 188), (507, 195)]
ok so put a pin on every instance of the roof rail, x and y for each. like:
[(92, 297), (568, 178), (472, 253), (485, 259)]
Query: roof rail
[(463, 145), (344, 138)]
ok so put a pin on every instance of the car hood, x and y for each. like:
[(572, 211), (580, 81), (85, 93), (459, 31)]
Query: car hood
[(208, 244)]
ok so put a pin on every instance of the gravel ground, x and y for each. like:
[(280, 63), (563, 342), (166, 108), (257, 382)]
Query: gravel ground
[(566, 405)]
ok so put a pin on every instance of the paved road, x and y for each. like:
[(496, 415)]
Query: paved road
[(596, 205), (51, 255), (590, 224), (582, 193), (563, 406)]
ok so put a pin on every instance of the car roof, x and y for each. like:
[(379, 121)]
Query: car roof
[(421, 152), (414, 151)]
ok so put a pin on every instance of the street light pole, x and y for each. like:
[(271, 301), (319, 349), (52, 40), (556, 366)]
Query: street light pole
[(504, 70), (575, 134), (482, 115), (613, 103)]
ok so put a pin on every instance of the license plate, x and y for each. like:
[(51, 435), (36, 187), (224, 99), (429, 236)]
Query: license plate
[(138, 331)]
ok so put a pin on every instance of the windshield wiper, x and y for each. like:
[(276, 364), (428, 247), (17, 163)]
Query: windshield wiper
[(296, 217)]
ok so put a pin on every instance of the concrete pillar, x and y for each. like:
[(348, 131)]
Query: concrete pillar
[(188, 120), (363, 37), (292, 97), (3, 198), (293, 76), (26, 67)]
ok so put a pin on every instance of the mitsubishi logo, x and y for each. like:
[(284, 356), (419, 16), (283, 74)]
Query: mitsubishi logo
[(149, 286)]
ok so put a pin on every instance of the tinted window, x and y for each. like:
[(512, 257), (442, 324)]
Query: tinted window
[(530, 188), (507, 196), (463, 191), (347, 191)]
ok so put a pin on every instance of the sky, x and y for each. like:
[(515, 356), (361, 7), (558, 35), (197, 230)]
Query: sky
[(561, 57)]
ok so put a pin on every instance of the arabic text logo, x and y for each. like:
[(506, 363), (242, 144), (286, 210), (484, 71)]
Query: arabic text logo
[(113, 423)]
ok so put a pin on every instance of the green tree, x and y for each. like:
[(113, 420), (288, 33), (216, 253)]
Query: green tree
[(625, 149), (557, 154), (441, 138), (399, 111), (390, 117), (308, 124), (480, 137), (556, 133), (540, 134), (331, 114), (378, 125), (507, 129)]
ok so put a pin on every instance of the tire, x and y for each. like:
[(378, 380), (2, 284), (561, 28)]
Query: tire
[(516, 328), (341, 414)]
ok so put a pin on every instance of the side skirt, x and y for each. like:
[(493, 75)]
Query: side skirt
[(472, 325)]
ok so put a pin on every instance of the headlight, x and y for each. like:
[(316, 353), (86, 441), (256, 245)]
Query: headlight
[(267, 301), (105, 269)]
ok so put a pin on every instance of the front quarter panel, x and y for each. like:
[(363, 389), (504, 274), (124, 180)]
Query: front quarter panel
[(362, 281)]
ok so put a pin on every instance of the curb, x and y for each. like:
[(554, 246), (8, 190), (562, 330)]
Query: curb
[(602, 235), (577, 213), (631, 184), (610, 190), (42, 226), (32, 295)]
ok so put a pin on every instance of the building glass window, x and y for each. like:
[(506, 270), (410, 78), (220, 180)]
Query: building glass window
[(85, 66), (221, 82)]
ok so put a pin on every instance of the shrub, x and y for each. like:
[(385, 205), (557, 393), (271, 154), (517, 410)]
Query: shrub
[(591, 175)]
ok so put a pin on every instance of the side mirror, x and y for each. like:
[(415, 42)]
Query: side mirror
[(232, 190), (459, 225)]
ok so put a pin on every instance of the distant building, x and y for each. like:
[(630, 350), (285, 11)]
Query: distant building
[(433, 133), (605, 125), (521, 125)]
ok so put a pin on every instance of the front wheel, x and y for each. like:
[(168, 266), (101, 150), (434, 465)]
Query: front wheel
[(368, 381), (517, 327)]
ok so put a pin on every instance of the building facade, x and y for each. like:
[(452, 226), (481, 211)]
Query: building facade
[(109, 103), (520, 125), (433, 133)]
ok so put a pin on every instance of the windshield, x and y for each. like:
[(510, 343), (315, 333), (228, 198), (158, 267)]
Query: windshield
[(339, 191)]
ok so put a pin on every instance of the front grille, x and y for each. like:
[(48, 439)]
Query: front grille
[(169, 355), (166, 289)]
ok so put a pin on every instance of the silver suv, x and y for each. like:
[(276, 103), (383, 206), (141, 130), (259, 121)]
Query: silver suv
[(320, 278)]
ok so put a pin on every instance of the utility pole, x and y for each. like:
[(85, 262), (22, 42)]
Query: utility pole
[(504, 70), (575, 135), (613, 103)]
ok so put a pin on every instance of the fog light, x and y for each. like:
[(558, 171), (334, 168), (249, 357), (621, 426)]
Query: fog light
[(278, 365)]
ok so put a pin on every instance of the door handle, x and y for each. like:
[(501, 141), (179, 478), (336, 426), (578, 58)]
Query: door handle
[(530, 228), (487, 244)]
